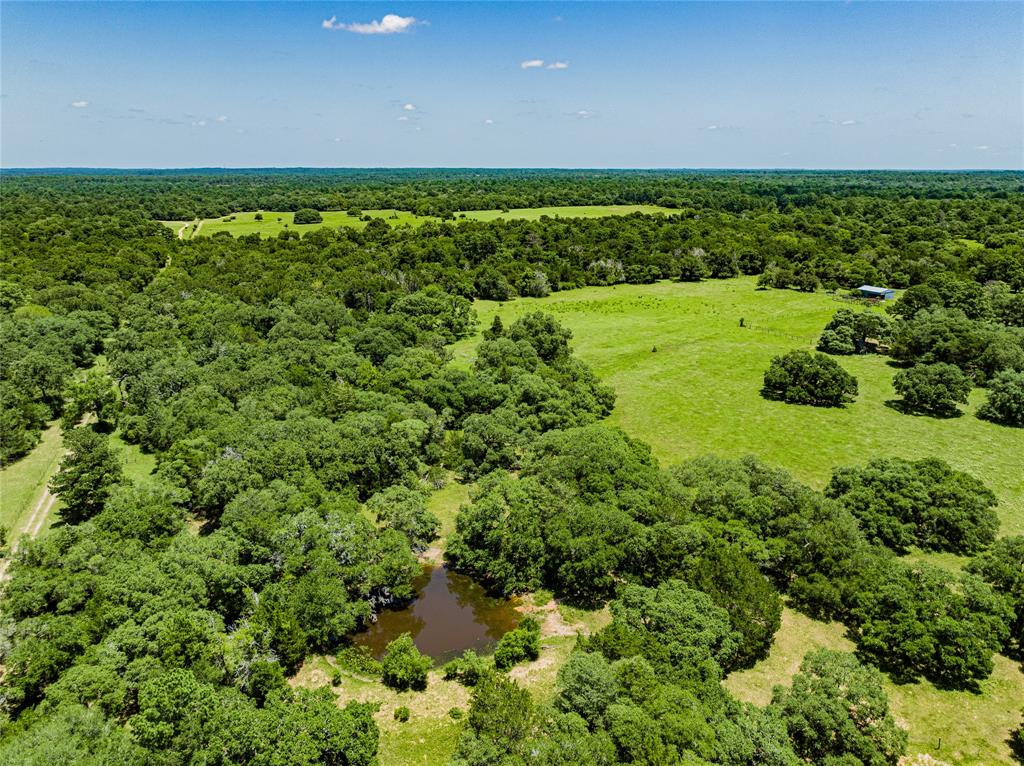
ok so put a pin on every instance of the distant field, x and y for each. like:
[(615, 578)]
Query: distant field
[(275, 222)]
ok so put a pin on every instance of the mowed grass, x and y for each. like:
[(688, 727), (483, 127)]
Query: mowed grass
[(955, 727), (688, 378), (273, 223), (23, 482)]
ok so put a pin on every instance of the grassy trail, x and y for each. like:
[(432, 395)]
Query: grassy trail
[(23, 484)]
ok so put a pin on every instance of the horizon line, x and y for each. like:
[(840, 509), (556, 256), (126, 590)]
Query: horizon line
[(635, 168)]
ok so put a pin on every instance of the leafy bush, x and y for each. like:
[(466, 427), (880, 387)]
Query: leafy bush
[(404, 666), (800, 377), (358, 660), (402, 714), (519, 645), (308, 215), (467, 669)]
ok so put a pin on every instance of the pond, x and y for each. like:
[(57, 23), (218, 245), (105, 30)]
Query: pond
[(451, 613)]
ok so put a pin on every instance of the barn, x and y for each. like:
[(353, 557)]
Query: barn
[(878, 293)]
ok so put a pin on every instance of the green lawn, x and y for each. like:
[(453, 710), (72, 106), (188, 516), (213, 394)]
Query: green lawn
[(22, 483), (699, 391), (275, 222)]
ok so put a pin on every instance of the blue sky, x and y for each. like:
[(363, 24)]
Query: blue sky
[(810, 85)]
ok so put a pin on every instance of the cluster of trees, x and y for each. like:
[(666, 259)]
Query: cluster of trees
[(646, 689), (925, 503), (950, 334), (591, 508), (278, 397)]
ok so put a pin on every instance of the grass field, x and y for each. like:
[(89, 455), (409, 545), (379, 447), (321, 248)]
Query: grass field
[(699, 391), (275, 222), (22, 483)]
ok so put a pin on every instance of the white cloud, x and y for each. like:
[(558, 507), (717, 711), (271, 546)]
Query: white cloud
[(79, 104), (982, 147), (199, 123), (337, 140), (531, 64), (848, 122), (711, 127), (488, 121), (222, 118), (558, 65), (409, 107), (584, 114), (390, 24), (403, 118)]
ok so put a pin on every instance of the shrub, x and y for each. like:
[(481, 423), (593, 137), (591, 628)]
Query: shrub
[(467, 669), (455, 713), (308, 215), (1005, 402), (258, 217), (932, 388), (403, 666), (359, 660), (518, 645), (402, 714), (800, 377)]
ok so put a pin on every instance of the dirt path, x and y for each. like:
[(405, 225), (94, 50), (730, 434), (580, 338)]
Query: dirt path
[(33, 525), (198, 222), (36, 521)]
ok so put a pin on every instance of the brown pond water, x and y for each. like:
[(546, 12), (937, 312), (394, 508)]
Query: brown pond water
[(450, 614)]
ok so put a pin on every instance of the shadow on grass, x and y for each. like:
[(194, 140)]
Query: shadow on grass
[(901, 407)]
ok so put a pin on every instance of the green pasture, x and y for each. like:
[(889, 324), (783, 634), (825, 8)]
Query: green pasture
[(275, 222), (688, 377)]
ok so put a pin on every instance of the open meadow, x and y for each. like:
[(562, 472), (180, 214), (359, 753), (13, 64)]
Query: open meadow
[(687, 379), (273, 223)]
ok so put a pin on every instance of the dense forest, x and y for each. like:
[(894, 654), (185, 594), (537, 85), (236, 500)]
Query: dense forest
[(299, 393)]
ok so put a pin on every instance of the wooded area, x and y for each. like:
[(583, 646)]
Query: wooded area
[(298, 394)]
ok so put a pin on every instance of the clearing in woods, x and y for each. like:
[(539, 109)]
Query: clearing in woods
[(274, 222)]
